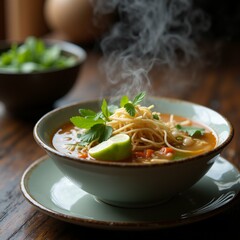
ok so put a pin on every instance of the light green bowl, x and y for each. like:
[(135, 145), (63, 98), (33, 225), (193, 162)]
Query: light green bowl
[(135, 184)]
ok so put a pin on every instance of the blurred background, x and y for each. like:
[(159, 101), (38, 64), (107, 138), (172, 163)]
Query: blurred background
[(76, 21), (73, 20), (70, 20)]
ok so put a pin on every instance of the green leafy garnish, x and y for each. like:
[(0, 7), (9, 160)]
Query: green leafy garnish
[(94, 123), (130, 105), (105, 111), (87, 113), (124, 100), (138, 98), (85, 122), (33, 55), (99, 132), (130, 108), (191, 130), (155, 116)]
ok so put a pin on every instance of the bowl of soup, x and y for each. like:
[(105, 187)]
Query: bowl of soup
[(37, 72), (133, 152)]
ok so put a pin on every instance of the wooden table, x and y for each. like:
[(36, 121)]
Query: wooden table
[(216, 86)]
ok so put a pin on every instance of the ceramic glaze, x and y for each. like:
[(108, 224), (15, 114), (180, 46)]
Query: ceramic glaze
[(135, 184), (63, 200)]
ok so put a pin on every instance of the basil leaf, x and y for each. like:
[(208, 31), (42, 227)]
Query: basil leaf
[(99, 132), (99, 115), (138, 98), (85, 123), (124, 100), (130, 106), (86, 112), (105, 110), (106, 133), (130, 109)]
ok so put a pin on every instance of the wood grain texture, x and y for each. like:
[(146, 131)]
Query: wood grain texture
[(216, 86)]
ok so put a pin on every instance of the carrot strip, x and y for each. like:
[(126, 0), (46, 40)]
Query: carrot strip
[(148, 153), (82, 155), (166, 150)]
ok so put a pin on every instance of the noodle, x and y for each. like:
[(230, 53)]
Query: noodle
[(145, 131), (155, 136)]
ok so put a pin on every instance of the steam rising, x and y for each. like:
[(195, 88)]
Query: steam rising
[(148, 33)]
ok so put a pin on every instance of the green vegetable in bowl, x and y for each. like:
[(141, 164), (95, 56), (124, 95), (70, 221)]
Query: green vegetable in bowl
[(34, 56)]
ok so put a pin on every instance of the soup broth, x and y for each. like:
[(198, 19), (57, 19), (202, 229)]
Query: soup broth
[(186, 142)]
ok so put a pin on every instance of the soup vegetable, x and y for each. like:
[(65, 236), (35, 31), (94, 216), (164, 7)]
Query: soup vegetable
[(34, 56), (132, 133)]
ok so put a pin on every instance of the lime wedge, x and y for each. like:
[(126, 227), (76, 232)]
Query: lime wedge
[(116, 148)]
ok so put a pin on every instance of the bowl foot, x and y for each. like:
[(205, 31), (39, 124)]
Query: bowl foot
[(132, 204)]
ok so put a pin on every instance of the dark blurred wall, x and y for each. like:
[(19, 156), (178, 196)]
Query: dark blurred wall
[(225, 18), (2, 27)]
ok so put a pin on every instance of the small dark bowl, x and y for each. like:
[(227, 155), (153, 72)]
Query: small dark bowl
[(32, 94)]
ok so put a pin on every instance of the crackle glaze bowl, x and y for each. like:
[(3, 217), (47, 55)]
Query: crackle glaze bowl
[(127, 184)]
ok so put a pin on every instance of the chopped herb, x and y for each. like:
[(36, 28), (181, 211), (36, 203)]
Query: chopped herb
[(191, 130), (179, 138), (155, 116)]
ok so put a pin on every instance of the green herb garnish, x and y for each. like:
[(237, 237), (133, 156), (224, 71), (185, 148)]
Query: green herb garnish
[(99, 132), (86, 122), (191, 130), (105, 111), (94, 123), (34, 56), (155, 116), (130, 105)]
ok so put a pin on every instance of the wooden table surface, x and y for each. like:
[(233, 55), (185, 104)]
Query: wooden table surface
[(216, 86)]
